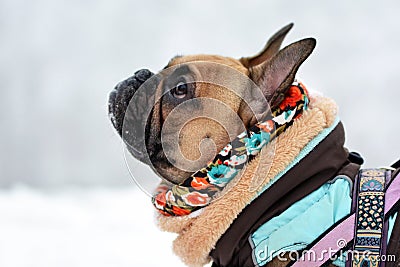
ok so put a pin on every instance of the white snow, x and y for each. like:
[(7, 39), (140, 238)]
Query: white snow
[(78, 227), (62, 58)]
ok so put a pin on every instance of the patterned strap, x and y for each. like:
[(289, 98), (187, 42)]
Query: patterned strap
[(369, 218), (343, 233)]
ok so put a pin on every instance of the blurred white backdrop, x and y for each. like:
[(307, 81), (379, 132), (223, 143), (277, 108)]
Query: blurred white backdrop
[(67, 198)]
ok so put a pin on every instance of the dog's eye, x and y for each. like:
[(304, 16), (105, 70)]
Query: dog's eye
[(180, 90)]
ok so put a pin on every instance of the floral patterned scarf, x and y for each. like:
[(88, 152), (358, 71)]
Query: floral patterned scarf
[(198, 190)]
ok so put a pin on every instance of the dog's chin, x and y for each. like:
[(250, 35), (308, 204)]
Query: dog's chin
[(170, 173)]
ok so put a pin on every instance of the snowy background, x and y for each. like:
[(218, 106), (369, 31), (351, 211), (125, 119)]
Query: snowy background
[(66, 197)]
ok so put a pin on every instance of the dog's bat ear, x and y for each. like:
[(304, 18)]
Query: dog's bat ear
[(270, 49), (275, 76)]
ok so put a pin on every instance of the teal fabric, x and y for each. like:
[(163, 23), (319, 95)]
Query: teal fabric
[(392, 220), (303, 153), (341, 260), (305, 220)]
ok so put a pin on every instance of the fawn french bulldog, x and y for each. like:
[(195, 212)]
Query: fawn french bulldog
[(182, 121)]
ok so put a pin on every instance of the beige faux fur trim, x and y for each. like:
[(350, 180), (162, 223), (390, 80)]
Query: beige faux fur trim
[(197, 236)]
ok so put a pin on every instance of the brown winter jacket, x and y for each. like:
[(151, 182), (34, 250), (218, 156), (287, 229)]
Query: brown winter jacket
[(221, 232)]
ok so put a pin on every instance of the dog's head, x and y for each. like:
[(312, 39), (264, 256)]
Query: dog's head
[(181, 119)]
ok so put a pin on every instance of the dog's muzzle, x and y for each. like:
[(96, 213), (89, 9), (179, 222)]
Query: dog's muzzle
[(129, 127)]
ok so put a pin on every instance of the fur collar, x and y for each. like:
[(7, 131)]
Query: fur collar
[(197, 236)]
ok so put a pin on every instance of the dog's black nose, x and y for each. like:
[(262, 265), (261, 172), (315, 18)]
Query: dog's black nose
[(138, 78), (142, 75), (120, 97), (119, 105)]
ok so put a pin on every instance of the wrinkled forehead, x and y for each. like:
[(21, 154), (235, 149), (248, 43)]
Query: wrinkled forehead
[(213, 75), (230, 62), (216, 77)]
